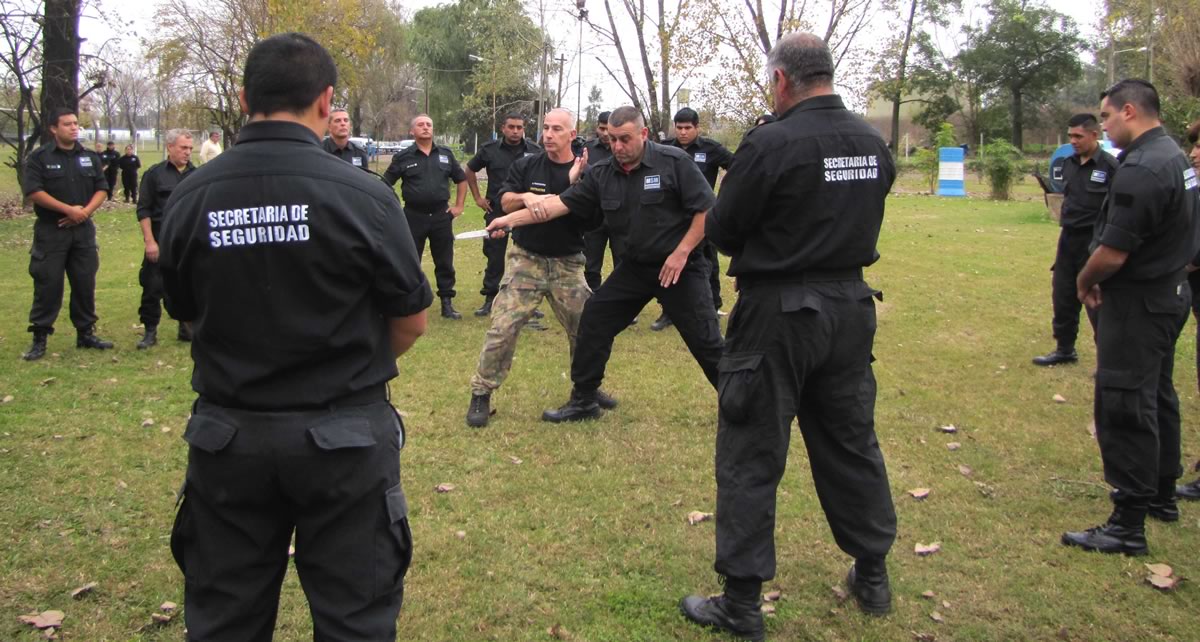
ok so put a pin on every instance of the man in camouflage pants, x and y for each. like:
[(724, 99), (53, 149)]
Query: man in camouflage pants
[(543, 262)]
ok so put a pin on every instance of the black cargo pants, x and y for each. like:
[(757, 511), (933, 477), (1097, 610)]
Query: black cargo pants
[(59, 251), (799, 351), (626, 291), (331, 476), (436, 226), (150, 278), (1071, 256), (1136, 408), (594, 242)]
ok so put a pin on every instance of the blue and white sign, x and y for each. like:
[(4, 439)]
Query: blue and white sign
[(951, 172)]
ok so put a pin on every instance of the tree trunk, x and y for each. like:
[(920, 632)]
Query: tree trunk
[(898, 97), (1018, 119), (60, 60)]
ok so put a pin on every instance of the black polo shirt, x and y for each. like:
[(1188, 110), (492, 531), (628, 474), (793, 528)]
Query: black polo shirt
[(424, 176), (110, 158), (351, 153), (804, 193), (562, 236), (709, 155), (130, 164), (289, 263), (498, 156), (1085, 186), (157, 184), (72, 176), (650, 207), (1151, 211), (597, 152)]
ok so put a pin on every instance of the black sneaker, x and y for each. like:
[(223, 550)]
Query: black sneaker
[(1059, 356), (719, 612), (1109, 538), (578, 408)]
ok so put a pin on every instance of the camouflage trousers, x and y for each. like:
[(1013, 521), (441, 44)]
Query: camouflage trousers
[(528, 279)]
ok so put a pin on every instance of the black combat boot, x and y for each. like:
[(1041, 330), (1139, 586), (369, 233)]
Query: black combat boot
[(149, 339), (486, 309), (448, 311), (868, 583), (1059, 356), (605, 401), (1190, 491), (1124, 532), (738, 610), (479, 410), (662, 323), (185, 332), (86, 338), (581, 406), (37, 349), (1163, 506)]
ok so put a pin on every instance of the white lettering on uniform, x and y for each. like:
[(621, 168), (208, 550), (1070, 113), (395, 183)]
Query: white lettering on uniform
[(851, 168), (1189, 179), (264, 225)]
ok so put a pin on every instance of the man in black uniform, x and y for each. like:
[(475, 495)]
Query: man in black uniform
[(1191, 490), (423, 169), (1086, 175), (129, 164), (303, 285), (339, 143), (655, 197), (65, 182), (497, 157), (1145, 238), (711, 157), (599, 151), (111, 159), (157, 185), (800, 212)]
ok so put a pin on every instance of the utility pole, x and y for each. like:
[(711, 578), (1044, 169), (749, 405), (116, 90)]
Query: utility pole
[(542, 89), (579, 4), (562, 61)]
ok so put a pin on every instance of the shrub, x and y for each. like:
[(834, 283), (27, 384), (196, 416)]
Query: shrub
[(1002, 166)]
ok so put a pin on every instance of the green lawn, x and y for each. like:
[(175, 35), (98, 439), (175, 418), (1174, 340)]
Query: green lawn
[(584, 526)]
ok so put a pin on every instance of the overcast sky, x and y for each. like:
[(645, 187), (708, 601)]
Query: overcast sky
[(128, 22)]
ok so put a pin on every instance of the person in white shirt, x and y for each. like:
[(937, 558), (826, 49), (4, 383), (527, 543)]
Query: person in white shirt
[(211, 147)]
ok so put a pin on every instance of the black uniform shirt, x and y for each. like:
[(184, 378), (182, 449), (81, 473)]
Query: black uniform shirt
[(538, 174), (424, 185), (351, 153), (1085, 186), (110, 157), (598, 152), (710, 156), (498, 156), (157, 184), (288, 262), (130, 164), (804, 193), (1151, 210), (651, 207), (71, 176)]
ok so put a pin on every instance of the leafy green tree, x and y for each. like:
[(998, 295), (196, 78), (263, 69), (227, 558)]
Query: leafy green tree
[(1003, 165)]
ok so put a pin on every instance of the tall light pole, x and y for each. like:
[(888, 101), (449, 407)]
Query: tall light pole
[(425, 90), (1112, 61), (583, 13), (495, 134)]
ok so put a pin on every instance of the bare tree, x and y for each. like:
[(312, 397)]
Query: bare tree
[(19, 75), (133, 97)]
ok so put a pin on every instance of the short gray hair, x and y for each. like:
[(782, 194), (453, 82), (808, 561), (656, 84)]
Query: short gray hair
[(626, 114), (175, 134), (804, 59)]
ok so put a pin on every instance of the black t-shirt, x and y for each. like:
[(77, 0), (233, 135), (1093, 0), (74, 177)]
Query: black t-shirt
[(129, 164), (804, 193), (538, 174), (423, 176), (1085, 186), (351, 153), (498, 156), (157, 184), (1151, 211), (72, 176), (651, 207), (289, 263), (709, 155), (110, 157)]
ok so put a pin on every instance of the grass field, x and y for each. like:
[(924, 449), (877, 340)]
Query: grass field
[(583, 526)]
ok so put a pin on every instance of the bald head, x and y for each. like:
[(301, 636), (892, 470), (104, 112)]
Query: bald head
[(561, 115), (558, 130)]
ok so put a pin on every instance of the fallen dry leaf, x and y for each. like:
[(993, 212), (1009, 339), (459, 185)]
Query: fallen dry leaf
[(146, 423), (291, 550), (85, 589), (1163, 583), (165, 429), (1091, 428), (1064, 633), (167, 607), (160, 618), (945, 604), (927, 549), (559, 632), (840, 593), (516, 460), (954, 445), (1160, 569), (1059, 399), (44, 620), (772, 596), (919, 493), (929, 595), (444, 488), (695, 517), (49, 380), (49, 634), (965, 470), (678, 502), (768, 609), (460, 534), (924, 637), (937, 617), (7, 399), (985, 490), (949, 429)]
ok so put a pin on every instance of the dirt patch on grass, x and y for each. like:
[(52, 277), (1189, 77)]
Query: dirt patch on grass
[(10, 207)]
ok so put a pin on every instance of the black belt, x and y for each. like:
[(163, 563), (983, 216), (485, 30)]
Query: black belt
[(427, 211), (808, 276), (366, 396)]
